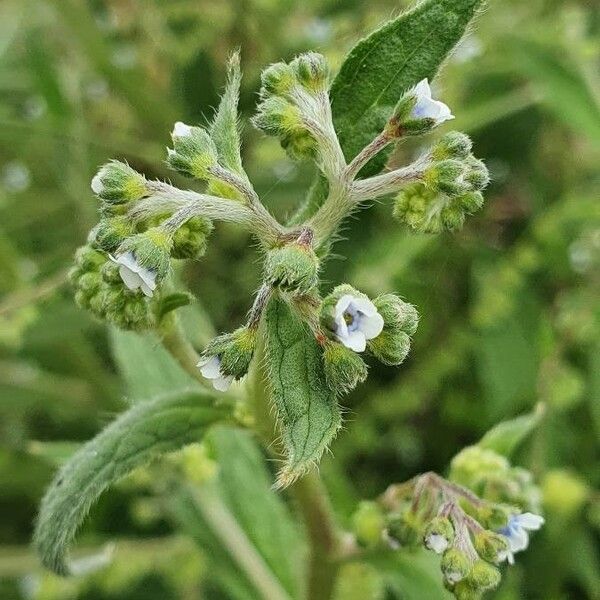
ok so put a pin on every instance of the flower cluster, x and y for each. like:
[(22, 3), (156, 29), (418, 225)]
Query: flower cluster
[(449, 520), (451, 188)]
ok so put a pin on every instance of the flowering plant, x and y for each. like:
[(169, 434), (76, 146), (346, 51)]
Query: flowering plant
[(283, 373)]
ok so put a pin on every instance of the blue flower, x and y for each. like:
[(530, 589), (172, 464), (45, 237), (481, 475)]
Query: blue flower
[(517, 532)]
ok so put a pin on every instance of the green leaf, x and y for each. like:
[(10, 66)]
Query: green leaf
[(380, 68), (174, 301), (505, 437), (147, 368), (245, 486), (145, 431), (224, 129), (307, 409)]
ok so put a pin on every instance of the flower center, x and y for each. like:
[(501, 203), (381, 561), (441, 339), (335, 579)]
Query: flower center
[(351, 318)]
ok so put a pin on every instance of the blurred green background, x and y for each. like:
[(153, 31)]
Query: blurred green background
[(510, 305)]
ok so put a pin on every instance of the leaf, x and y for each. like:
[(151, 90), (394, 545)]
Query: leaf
[(174, 301), (563, 88), (224, 128), (132, 440), (147, 368), (505, 437), (245, 487), (380, 68), (306, 408)]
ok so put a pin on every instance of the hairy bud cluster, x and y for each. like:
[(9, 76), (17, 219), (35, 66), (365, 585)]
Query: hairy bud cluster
[(493, 478), (293, 267), (99, 289), (450, 190), (288, 93)]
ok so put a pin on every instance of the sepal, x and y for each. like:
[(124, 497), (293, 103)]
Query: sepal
[(117, 183), (344, 369), (194, 153)]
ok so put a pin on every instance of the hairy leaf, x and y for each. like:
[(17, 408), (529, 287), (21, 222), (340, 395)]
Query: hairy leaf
[(380, 68), (505, 437), (224, 129), (146, 367), (307, 410), (132, 440)]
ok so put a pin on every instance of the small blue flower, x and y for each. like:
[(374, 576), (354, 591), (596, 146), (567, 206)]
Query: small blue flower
[(517, 532)]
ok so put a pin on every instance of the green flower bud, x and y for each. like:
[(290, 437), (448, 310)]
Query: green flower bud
[(490, 545), (406, 528), (278, 79), (88, 259), (344, 369), (190, 240), (293, 267), (312, 71), (464, 591), (194, 153), (448, 177), (278, 117), (117, 183), (473, 464), (456, 565), (110, 272), (397, 314), (111, 232), (89, 283), (439, 534), (368, 524), (494, 516), (234, 351), (483, 576), (453, 145), (477, 174), (392, 345), (146, 255), (135, 314), (470, 202)]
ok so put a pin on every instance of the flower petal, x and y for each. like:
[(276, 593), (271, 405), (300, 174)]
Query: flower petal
[(132, 280), (181, 130), (355, 340), (423, 89), (342, 305), (222, 384), (519, 540), (371, 326), (210, 367), (530, 521), (97, 185), (365, 306)]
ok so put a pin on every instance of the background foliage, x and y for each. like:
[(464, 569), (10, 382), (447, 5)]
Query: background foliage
[(510, 306)]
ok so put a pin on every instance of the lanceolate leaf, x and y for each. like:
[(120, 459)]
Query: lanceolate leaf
[(381, 67), (224, 128), (505, 437), (307, 410), (137, 436)]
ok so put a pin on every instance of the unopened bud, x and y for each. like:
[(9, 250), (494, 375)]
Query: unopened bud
[(344, 368), (453, 145), (490, 545), (477, 174), (293, 267), (406, 528), (456, 565), (234, 351), (117, 183), (483, 576), (311, 70), (448, 177), (110, 233), (190, 240), (278, 79), (88, 259), (368, 524), (439, 534), (194, 153)]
